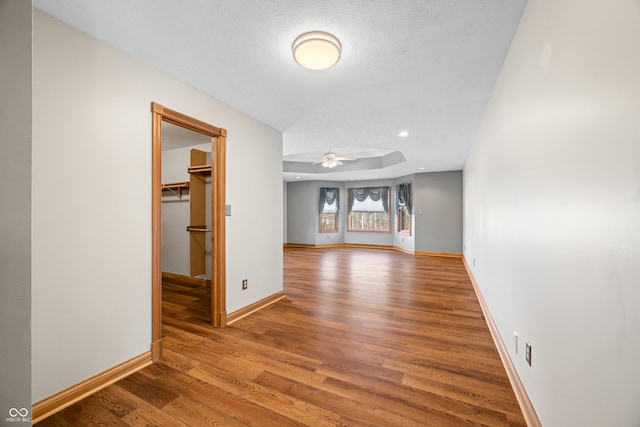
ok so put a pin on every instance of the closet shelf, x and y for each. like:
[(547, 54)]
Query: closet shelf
[(201, 169), (198, 228), (176, 187)]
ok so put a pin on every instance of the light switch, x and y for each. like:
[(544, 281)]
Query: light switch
[(227, 210)]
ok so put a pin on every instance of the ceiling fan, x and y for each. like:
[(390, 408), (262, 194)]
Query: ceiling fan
[(331, 160)]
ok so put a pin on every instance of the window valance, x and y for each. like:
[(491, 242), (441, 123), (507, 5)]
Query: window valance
[(375, 194), (329, 197)]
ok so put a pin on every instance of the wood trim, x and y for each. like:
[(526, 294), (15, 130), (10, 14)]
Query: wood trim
[(218, 174), (439, 254), (156, 233), (50, 405), (528, 411), (298, 245), (184, 121), (367, 246), (252, 308), (407, 251), (336, 245), (218, 218)]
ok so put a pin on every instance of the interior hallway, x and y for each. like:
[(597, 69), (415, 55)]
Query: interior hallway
[(364, 337)]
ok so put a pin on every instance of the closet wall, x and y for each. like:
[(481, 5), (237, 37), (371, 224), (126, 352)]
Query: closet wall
[(175, 212)]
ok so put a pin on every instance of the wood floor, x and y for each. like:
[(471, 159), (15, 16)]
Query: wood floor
[(364, 338)]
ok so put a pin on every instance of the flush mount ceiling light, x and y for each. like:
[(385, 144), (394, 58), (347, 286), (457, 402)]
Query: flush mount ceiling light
[(316, 50)]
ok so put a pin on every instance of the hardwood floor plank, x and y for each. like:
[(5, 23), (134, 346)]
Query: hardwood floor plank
[(87, 412), (462, 393), (143, 417), (236, 407), (116, 400), (333, 402), (148, 390), (412, 413), (249, 364), (364, 338), (266, 397), (194, 413)]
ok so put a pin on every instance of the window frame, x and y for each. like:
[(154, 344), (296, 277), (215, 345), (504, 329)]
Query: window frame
[(328, 223)]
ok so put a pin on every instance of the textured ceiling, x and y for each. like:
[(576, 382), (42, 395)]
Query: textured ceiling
[(427, 66)]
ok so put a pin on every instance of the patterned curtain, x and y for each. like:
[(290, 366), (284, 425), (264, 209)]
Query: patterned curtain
[(329, 196), (403, 196)]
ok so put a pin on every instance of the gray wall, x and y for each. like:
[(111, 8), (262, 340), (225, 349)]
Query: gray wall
[(15, 207), (437, 208), (303, 215), (300, 210), (438, 228), (284, 212)]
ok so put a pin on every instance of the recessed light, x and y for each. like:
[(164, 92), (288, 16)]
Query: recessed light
[(421, 169), (403, 134)]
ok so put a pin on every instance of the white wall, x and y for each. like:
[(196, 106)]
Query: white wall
[(15, 207), (91, 205), (552, 209)]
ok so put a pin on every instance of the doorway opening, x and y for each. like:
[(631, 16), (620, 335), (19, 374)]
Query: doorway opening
[(210, 239)]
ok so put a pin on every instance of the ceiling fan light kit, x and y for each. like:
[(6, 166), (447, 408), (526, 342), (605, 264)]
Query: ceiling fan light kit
[(331, 160), (331, 163), (316, 50)]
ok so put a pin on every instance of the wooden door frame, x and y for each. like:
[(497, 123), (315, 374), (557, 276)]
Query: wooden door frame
[(218, 185)]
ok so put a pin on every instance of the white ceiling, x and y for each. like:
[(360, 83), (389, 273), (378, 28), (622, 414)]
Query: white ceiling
[(425, 66)]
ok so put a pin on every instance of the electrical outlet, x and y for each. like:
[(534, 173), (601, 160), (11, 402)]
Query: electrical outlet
[(527, 353), (245, 284)]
